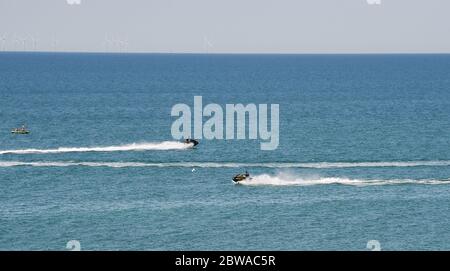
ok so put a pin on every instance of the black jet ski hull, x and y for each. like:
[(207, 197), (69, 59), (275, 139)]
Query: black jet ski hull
[(241, 181), (191, 141)]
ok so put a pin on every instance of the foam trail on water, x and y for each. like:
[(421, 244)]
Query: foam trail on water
[(287, 180), (165, 145), (322, 165), (377, 164)]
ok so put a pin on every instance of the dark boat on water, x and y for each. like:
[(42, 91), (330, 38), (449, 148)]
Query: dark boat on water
[(241, 177), (21, 131), (191, 141)]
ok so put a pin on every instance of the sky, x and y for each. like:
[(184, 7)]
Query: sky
[(226, 26)]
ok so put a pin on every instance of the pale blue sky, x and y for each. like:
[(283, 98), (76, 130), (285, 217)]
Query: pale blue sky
[(227, 26)]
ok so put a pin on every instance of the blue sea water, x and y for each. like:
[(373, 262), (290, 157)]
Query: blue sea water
[(363, 155)]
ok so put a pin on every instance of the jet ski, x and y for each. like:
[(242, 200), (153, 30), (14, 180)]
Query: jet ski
[(191, 141), (22, 131), (241, 177)]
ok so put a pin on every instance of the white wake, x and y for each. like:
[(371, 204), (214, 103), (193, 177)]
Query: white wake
[(290, 180), (146, 146), (322, 165)]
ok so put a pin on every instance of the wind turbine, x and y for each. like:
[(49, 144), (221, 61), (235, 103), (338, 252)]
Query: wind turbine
[(24, 43), (54, 44), (34, 42), (31, 39), (207, 44), (16, 42), (120, 44), (108, 42), (127, 45), (116, 44), (3, 42), (19, 43), (123, 45)]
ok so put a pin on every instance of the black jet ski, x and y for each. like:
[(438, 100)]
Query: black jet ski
[(191, 141), (241, 177)]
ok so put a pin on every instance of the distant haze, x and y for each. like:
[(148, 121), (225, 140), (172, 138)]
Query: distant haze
[(226, 26)]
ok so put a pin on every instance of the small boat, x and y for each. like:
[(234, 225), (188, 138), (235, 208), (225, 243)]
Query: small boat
[(21, 131), (191, 141), (241, 177)]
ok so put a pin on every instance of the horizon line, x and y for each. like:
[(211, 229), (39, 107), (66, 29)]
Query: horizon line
[(231, 53)]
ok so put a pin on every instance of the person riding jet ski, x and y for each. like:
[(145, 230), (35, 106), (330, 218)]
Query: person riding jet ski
[(191, 141), (241, 177)]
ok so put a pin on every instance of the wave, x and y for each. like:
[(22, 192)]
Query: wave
[(146, 146), (289, 180), (322, 165)]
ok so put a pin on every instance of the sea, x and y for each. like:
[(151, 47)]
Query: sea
[(363, 155)]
